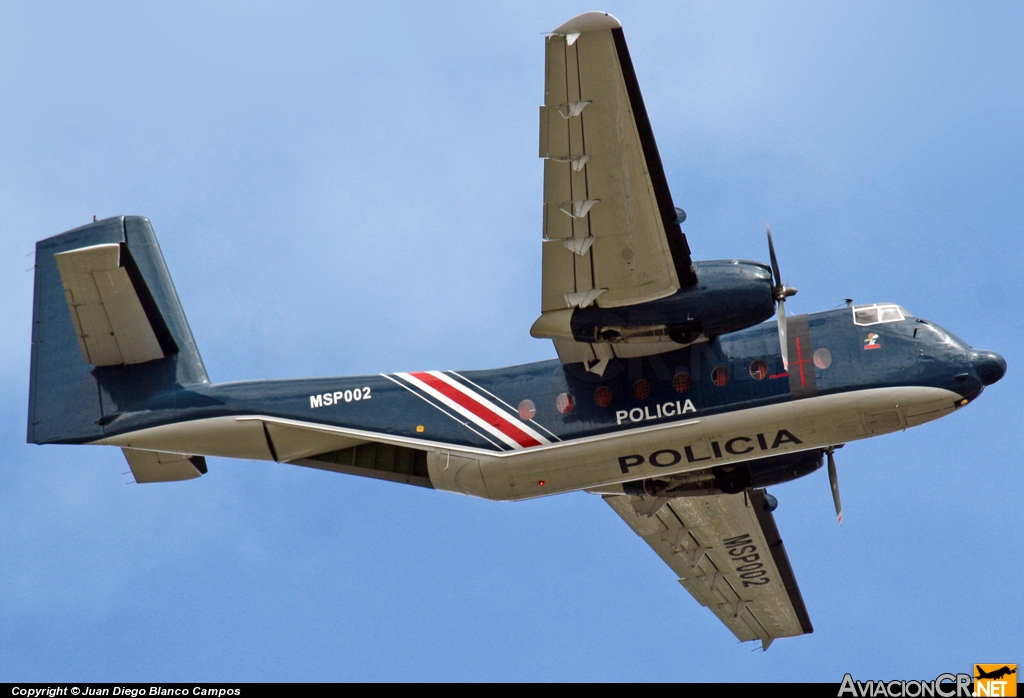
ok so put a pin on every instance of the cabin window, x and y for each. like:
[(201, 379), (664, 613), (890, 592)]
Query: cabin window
[(527, 410), (564, 403), (759, 370), (681, 381), (603, 396), (720, 376), (864, 315), (641, 389), (822, 358)]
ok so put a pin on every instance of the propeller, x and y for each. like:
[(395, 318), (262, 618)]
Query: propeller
[(780, 292), (833, 480)]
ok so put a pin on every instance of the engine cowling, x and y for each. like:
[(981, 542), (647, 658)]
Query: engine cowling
[(730, 295)]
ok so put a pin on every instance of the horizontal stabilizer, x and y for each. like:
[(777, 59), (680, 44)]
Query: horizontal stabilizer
[(115, 318), (153, 466)]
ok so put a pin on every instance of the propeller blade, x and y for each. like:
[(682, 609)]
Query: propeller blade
[(775, 262), (778, 293), (783, 337), (833, 480)]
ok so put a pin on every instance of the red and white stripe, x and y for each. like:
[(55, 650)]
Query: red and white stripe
[(475, 408)]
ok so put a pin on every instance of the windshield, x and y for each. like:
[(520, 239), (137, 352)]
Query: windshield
[(929, 329)]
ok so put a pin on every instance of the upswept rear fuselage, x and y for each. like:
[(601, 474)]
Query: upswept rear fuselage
[(543, 428)]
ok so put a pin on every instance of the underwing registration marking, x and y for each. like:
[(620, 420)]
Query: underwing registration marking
[(746, 560), (338, 397)]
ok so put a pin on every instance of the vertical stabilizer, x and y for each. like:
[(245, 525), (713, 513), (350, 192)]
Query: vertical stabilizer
[(108, 330)]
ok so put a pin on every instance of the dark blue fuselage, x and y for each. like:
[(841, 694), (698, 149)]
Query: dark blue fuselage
[(733, 372)]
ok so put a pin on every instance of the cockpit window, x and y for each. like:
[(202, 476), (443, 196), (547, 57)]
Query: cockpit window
[(865, 316), (888, 313), (874, 314)]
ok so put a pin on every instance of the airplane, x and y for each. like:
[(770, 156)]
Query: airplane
[(675, 396)]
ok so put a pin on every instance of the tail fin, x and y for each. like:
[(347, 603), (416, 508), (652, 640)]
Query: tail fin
[(108, 331)]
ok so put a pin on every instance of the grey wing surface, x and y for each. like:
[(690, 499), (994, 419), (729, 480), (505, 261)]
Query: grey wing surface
[(610, 231), (727, 553)]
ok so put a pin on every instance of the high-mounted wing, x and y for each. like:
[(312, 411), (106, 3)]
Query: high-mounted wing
[(727, 553), (611, 235)]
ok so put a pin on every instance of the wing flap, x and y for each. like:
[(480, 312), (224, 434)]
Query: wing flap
[(725, 551), (559, 275), (107, 310)]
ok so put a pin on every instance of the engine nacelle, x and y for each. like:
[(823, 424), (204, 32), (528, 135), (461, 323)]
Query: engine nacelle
[(730, 295)]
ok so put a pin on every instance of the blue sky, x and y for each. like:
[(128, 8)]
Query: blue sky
[(346, 190)]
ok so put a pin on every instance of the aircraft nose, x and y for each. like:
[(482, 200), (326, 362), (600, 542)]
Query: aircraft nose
[(989, 365)]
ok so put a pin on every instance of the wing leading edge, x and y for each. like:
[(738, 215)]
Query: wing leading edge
[(611, 235), (727, 553)]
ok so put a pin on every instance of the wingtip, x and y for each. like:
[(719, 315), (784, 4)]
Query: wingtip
[(589, 22)]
